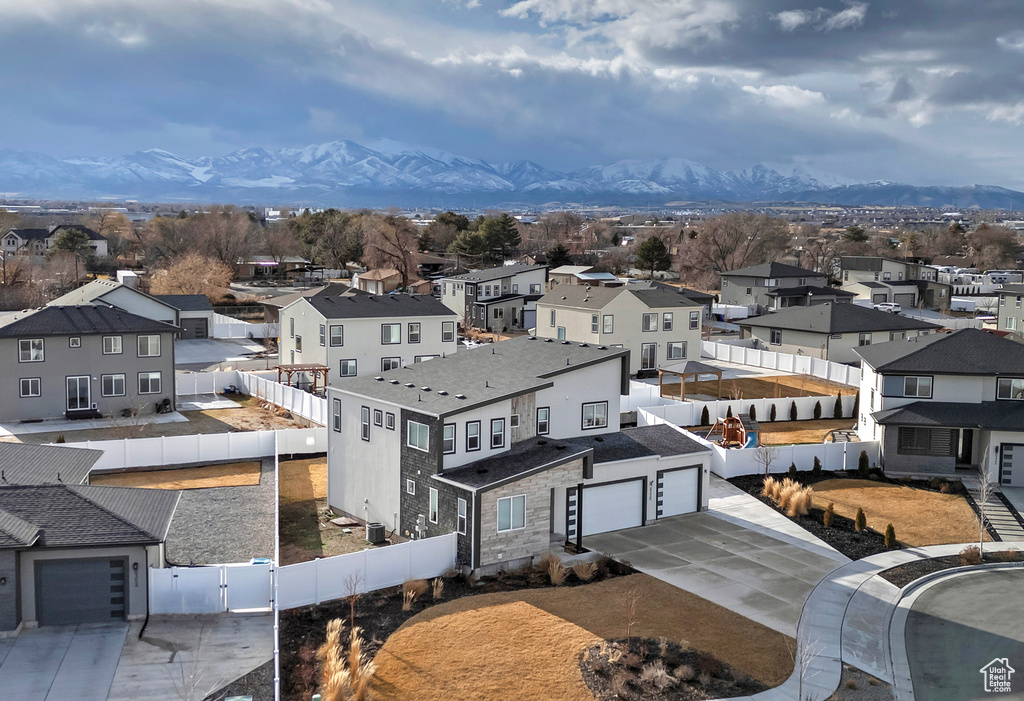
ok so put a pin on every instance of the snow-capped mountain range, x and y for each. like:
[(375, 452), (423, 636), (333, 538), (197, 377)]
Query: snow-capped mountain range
[(344, 173)]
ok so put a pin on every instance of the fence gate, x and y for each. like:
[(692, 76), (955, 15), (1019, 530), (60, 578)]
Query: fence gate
[(213, 589)]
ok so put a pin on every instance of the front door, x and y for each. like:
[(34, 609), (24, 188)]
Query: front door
[(78, 392), (965, 451), (648, 356)]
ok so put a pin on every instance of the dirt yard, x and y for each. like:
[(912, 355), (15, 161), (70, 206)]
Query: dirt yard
[(306, 530), (919, 517), (786, 432), (450, 650), (766, 388), (236, 474)]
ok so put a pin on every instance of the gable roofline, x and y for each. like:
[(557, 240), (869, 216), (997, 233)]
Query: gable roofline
[(831, 318), (497, 272), (772, 270), (962, 352)]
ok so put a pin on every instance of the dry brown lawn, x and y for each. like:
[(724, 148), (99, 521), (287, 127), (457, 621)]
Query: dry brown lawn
[(236, 474), (786, 432), (480, 647), (302, 480), (918, 516), (769, 387)]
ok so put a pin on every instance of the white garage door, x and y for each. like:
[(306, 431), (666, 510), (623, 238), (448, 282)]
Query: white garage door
[(609, 507), (1011, 465), (677, 492)]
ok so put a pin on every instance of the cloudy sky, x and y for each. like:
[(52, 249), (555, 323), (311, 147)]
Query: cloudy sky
[(923, 91)]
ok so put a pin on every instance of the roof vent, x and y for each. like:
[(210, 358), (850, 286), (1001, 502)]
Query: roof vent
[(481, 470), (394, 382), (460, 396), (379, 378), (542, 442), (566, 343), (560, 447), (563, 298), (584, 345), (409, 385), (548, 340), (602, 347), (599, 439), (425, 389), (442, 392)]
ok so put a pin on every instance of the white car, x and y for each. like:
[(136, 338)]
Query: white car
[(892, 307)]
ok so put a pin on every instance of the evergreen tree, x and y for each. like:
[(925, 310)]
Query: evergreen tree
[(558, 255), (652, 256)]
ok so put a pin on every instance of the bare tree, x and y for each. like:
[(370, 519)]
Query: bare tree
[(807, 650), (389, 241), (8, 221), (765, 455), (191, 273), (986, 488), (730, 242)]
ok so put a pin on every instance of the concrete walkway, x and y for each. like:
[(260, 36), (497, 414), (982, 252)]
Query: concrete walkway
[(996, 513), (69, 427)]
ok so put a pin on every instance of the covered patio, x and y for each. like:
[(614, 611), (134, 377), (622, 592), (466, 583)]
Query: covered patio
[(313, 370), (689, 369)]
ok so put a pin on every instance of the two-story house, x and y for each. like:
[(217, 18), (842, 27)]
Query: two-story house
[(876, 279), (582, 275), (354, 334), (941, 401), (753, 286), (84, 361), (35, 243), (655, 324), (1011, 309), (514, 446), (830, 331), (495, 299)]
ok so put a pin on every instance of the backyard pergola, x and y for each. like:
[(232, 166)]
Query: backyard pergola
[(315, 370), (685, 370)]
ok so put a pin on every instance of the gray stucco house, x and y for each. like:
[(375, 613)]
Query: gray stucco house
[(84, 362), (754, 285), (1011, 309)]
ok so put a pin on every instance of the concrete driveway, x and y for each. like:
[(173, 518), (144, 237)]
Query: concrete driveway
[(61, 662), (201, 353)]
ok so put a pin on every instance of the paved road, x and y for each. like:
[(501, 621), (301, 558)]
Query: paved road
[(958, 626)]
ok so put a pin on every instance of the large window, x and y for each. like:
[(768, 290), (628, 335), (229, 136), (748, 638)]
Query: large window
[(917, 387), (347, 368), (111, 345), (561, 333), (650, 322), (364, 423), (336, 415), (390, 364), (595, 415), (432, 510), (461, 525), (390, 333), (609, 323), (677, 350), (667, 321), (694, 320), (449, 439), (648, 356), (418, 435), (149, 346), (337, 335), (511, 513), (472, 435), (149, 383), (497, 433), (535, 288), (1010, 388), (30, 350), (447, 331), (414, 333), (917, 440), (31, 387), (112, 385), (543, 420)]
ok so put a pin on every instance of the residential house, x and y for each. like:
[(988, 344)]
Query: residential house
[(943, 401), (807, 296), (1011, 309), (272, 306), (751, 286), (876, 279), (655, 324), (581, 275), (195, 314), (35, 243), (83, 362), (263, 267), (120, 296), (356, 334), (702, 298), (496, 299), (501, 444), (28, 464), (382, 281), (830, 331)]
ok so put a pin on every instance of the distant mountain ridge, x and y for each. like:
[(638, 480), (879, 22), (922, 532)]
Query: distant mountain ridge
[(344, 173)]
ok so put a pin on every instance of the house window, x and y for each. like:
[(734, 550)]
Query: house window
[(515, 288), (390, 364), (30, 350), (414, 333), (298, 344), (112, 385), (347, 368), (511, 513), (552, 317), (677, 350), (1011, 323), (771, 282), (887, 276), (336, 414), (337, 335), (149, 346), (31, 386), (920, 387), (497, 433), (609, 323), (694, 320), (149, 383), (461, 523), (389, 421), (364, 423), (593, 323), (648, 356), (1018, 302), (75, 342), (1010, 388), (111, 345), (543, 417), (291, 327), (410, 487), (666, 321), (378, 417), (390, 334), (750, 291), (472, 435), (535, 288), (650, 322), (499, 312), (421, 358), (801, 281), (448, 445), (916, 440), (418, 435), (595, 415), (432, 510), (561, 333), (513, 421), (776, 337), (323, 335), (447, 331)]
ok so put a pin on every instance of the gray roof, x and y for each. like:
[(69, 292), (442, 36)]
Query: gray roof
[(337, 302), (582, 297), (496, 273), (84, 320), (994, 416), (773, 270), (802, 290), (963, 352), (82, 515), (479, 376), (830, 318), (92, 234), (1014, 288), (642, 441), (525, 457), (688, 367), (570, 269), (694, 295), (187, 303), (23, 464), (31, 234), (96, 290)]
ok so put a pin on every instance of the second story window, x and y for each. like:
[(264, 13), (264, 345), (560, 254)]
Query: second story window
[(337, 336), (497, 433), (30, 350), (149, 346), (917, 387), (291, 327), (347, 368), (552, 317), (336, 415), (543, 420), (608, 323), (864, 339), (418, 436), (1010, 388), (449, 439), (666, 321), (390, 333), (364, 423), (447, 331), (111, 345), (323, 335), (650, 322), (694, 320), (593, 323), (298, 344), (414, 333), (472, 435), (595, 415)]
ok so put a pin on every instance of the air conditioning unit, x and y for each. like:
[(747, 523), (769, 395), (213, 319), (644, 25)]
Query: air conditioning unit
[(375, 533)]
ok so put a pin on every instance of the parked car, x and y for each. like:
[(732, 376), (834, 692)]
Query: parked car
[(893, 307)]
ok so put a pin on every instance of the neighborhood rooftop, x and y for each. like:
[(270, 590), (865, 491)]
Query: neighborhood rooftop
[(489, 274), (523, 458), (639, 442), (341, 302), (187, 303), (598, 297), (809, 291), (963, 352), (836, 318), (774, 270), (24, 464), (993, 416), (479, 376), (85, 320)]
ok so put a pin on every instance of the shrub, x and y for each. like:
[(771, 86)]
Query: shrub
[(851, 685), (556, 572), (792, 411), (584, 571), (816, 470), (829, 515), (705, 417), (620, 685), (768, 487), (771, 414), (817, 410), (789, 489), (837, 410), (890, 537), (412, 591), (345, 676), (792, 470), (602, 567), (704, 679), (656, 674), (709, 664), (971, 555), (438, 588), (728, 412), (863, 464), (856, 404), (752, 413), (662, 645), (937, 483), (61, 439), (861, 521), (800, 502), (684, 673), (1005, 556)]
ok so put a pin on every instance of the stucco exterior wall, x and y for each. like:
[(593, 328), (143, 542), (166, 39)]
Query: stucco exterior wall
[(10, 614), (820, 345)]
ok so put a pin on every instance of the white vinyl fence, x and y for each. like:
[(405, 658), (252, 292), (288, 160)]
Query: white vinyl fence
[(329, 578), (213, 589), (689, 413), (295, 400), (229, 327), (949, 322), (787, 362), (189, 383)]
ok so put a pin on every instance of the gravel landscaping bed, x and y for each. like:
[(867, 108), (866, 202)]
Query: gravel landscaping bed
[(258, 683), (857, 685), (904, 574)]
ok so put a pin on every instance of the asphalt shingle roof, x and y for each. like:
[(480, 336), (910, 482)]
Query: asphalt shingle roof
[(994, 416), (86, 319), (642, 441), (802, 290), (336, 302), (582, 297), (830, 318), (963, 352), (773, 270), (25, 464), (524, 457), (1014, 288), (187, 303), (497, 273)]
